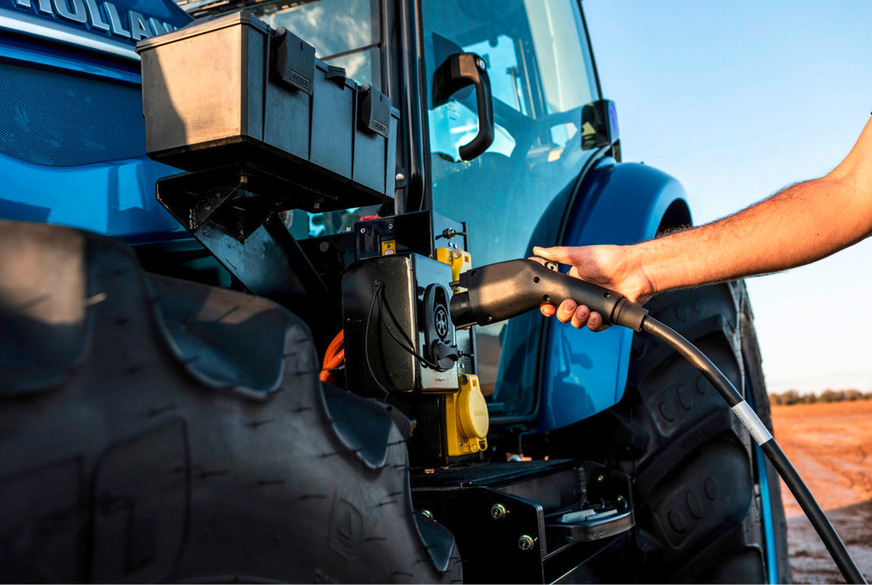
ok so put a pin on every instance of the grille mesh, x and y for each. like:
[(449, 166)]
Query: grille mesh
[(57, 119)]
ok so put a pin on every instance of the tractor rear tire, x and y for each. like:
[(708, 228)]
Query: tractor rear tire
[(153, 430), (696, 486)]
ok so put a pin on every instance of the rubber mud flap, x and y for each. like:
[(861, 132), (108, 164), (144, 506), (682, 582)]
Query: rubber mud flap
[(159, 430)]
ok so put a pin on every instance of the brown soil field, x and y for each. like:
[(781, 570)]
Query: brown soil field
[(830, 444)]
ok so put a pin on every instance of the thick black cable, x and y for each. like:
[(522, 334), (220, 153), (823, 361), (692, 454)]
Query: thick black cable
[(848, 567), (696, 358), (815, 514)]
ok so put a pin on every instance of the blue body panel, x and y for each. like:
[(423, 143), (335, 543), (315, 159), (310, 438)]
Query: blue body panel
[(115, 198), (110, 26), (111, 194), (585, 373)]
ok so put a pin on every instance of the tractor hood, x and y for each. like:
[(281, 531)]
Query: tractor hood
[(112, 26)]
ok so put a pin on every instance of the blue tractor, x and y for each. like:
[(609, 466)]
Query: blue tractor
[(228, 349)]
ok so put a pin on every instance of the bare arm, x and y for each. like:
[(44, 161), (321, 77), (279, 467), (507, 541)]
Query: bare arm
[(801, 224)]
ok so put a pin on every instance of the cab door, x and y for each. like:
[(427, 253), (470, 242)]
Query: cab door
[(516, 193)]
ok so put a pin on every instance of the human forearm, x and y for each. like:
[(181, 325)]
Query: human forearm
[(801, 224)]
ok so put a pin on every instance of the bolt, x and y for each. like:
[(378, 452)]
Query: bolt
[(363, 230), (498, 512), (599, 478), (481, 64), (400, 177), (427, 513), (390, 226), (525, 543), (464, 379)]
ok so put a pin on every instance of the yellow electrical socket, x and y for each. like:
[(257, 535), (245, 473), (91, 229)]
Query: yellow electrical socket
[(467, 420)]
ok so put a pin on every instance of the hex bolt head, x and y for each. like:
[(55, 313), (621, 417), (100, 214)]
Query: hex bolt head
[(498, 512), (526, 543)]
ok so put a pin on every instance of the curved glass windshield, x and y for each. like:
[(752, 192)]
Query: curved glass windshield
[(514, 195)]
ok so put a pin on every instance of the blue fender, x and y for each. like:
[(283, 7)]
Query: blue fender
[(114, 198), (585, 373)]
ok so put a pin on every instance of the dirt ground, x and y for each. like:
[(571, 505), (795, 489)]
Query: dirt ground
[(831, 447)]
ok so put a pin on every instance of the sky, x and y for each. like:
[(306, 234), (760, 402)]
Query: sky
[(738, 99)]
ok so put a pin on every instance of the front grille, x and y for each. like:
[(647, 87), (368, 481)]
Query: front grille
[(58, 119)]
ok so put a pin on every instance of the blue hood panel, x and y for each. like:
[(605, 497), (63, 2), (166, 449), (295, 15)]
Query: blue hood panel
[(114, 22), (73, 137)]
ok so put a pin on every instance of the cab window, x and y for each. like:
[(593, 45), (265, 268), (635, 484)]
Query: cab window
[(513, 195)]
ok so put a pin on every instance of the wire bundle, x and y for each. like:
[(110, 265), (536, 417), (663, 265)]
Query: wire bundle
[(333, 358)]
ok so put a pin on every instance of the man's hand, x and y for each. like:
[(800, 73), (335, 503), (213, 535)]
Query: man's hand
[(612, 267)]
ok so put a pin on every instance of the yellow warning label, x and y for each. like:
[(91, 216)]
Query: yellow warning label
[(388, 247)]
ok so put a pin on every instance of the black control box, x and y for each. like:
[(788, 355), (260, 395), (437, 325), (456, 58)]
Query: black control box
[(398, 332)]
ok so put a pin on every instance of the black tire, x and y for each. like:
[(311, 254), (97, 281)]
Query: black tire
[(692, 463), (157, 430), (760, 399)]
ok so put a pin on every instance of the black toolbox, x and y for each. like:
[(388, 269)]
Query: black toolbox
[(233, 91)]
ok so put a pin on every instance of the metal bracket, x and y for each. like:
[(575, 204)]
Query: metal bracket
[(234, 212)]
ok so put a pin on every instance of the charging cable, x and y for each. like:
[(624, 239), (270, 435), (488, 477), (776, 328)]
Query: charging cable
[(499, 291)]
